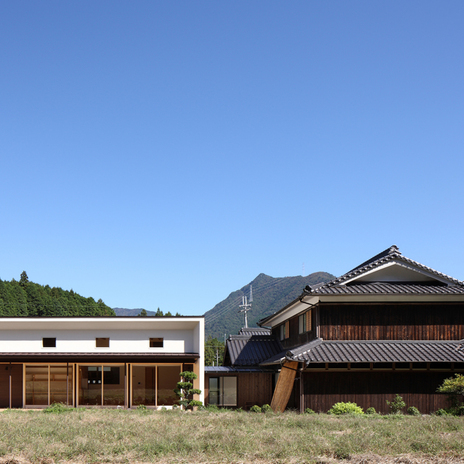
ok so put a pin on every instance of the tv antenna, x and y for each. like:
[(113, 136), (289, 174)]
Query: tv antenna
[(246, 306)]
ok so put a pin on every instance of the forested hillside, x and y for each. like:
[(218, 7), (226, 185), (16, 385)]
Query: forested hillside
[(269, 295), (25, 298)]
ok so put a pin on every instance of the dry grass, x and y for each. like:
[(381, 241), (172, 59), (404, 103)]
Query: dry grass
[(92, 436)]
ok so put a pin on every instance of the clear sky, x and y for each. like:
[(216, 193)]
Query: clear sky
[(163, 154)]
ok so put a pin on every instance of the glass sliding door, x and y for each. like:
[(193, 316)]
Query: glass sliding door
[(36, 385), (48, 384), (168, 376), (101, 385), (154, 385), (143, 385), (113, 386)]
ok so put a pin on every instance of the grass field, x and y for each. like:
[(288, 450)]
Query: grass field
[(226, 437)]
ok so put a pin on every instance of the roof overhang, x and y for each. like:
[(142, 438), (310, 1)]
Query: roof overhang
[(296, 307)]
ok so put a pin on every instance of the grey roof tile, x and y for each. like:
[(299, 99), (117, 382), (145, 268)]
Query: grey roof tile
[(251, 350)]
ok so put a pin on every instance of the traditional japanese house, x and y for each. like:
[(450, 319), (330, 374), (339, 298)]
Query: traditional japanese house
[(389, 326)]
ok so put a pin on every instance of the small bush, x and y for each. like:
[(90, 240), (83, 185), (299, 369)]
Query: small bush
[(255, 408), (57, 408), (309, 411), (239, 410), (345, 408), (266, 408), (396, 405), (141, 407), (442, 412), (371, 410), (413, 411)]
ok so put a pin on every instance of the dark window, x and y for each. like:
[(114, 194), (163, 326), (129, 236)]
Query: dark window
[(402, 365), (440, 365), (316, 366), (383, 365), (49, 342), (338, 366), (156, 343), (188, 367), (223, 391), (360, 365), (102, 342)]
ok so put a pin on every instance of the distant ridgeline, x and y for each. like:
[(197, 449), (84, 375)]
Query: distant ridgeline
[(142, 312), (269, 295), (25, 298)]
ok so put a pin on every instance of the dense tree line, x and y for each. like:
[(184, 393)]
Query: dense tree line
[(25, 298)]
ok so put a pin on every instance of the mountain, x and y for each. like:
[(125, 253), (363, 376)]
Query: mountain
[(25, 298), (269, 295), (131, 312)]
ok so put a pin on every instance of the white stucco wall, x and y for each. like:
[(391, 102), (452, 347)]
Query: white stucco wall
[(77, 335)]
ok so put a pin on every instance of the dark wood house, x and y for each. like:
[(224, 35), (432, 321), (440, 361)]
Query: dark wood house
[(389, 326)]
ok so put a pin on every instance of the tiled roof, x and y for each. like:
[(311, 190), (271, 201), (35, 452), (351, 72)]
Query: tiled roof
[(319, 351), (386, 288), (251, 350), (254, 331), (390, 254)]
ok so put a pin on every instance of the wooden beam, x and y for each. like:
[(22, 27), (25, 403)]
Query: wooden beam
[(284, 386)]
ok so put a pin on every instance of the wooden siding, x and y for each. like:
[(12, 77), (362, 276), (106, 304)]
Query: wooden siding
[(295, 338), (392, 321), (252, 387), (16, 385), (323, 389)]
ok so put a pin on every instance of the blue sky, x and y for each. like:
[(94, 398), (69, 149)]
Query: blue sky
[(163, 154)]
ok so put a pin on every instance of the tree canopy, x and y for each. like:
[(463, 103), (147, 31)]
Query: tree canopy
[(26, 298)]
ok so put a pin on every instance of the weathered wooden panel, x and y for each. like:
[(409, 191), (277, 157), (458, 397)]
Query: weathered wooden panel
[(372, 389), (16, 385), (392, 321), (284, 386)]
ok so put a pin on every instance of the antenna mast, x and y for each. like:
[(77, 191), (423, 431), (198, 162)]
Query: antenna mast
[(246, 306)]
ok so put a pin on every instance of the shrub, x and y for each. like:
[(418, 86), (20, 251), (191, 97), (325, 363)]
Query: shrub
[(255, 408), (309, 411), (266, 408), (371, 410), (141, 407), (345, 408), (57, 408), (396, 405), (442, 412), (413, 411)]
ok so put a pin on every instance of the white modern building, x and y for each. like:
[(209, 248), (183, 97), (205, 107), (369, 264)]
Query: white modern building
[(98, 361)]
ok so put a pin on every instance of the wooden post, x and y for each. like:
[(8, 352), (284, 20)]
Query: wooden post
[(9, 387), (284, 386)]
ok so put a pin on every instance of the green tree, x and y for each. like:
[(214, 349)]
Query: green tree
[(214, 352), (159, 313), (23, 280), (454, 388), (185, 390), (143, 313)]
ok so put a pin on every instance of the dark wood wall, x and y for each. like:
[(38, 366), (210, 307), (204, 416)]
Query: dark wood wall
[(16, 385), (296, 338), (323, 389), (252, 388), (392, 321)]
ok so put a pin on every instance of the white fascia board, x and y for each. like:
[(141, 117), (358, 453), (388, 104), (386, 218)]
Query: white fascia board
[(297, 308), (99, 323), (400, 264)]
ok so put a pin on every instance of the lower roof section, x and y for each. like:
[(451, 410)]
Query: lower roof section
[(99, 357), (320, 351)]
